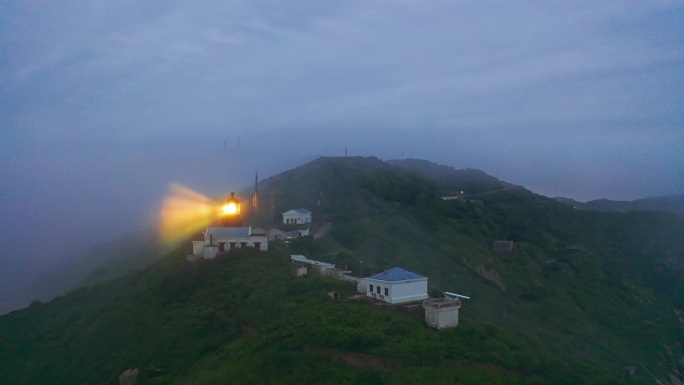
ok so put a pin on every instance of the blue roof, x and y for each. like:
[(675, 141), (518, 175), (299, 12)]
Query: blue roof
[(396, 274)]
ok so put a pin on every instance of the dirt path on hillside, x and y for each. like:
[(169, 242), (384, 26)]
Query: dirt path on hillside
[(323, 230)]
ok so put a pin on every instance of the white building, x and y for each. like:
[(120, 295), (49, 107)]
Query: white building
[(397, 285), (221, 239), (297, 217)]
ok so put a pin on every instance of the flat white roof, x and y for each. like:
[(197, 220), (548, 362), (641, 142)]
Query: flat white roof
[(303, 259)]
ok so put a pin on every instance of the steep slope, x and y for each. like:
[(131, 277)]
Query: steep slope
[(601, 287), (109, 260), (242, 319)]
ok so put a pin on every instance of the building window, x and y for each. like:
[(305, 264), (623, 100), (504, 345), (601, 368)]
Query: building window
[(378, 289), (257, 245), (243, 244), (386, 291), (371, 288), (232, 245)]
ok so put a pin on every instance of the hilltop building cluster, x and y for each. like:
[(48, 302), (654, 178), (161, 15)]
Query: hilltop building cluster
[(232, 235), (395, 286)]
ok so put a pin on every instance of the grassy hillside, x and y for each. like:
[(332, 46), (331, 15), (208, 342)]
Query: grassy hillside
[(599, 287), (583, 295), (242, 319)]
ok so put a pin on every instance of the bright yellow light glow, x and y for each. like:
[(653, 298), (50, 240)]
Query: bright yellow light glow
[(184, 213), (230, 208)]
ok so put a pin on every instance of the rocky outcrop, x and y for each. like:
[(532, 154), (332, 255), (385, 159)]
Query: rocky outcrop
[(129, 376)]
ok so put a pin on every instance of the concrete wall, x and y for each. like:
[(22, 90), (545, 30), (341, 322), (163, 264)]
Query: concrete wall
[(398, 291), (408, 291), (200, 248), (263, 239), (209, 252), (274, 234), (197, 248), (441, 313)]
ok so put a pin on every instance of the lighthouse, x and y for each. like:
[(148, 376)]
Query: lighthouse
[(229, 233), (230, 212)]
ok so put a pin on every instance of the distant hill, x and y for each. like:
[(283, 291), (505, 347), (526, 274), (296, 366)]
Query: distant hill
[(450, 179), (583, 295), (669, 203)]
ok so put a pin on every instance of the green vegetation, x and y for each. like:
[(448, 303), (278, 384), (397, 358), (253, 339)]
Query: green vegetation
[(242, 319), (599, 287), (583, 295)]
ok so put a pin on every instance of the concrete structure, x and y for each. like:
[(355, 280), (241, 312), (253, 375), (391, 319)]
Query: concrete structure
[(299, 269), (274, 233), (300, 264), (397, 285), (258, 231), (297, 233), (441, 313), (502, 246), (317, 266), (297, 217), (222, 239)]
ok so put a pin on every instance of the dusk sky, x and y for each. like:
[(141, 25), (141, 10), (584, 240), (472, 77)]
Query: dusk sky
[(104, 103)]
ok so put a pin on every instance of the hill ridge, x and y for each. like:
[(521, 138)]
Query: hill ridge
[(609, 278)]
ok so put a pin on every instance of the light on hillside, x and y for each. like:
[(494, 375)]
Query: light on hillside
[(230, 208)]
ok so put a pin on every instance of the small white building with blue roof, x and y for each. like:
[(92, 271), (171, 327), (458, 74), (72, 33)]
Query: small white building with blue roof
[(397, 285)]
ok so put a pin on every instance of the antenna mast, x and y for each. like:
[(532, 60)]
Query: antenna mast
[(255, 200)]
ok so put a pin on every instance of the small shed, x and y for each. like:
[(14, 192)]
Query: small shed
[(397, 285), (441, 313)]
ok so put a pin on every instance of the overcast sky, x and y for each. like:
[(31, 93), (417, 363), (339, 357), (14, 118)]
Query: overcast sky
[(104, 103)]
